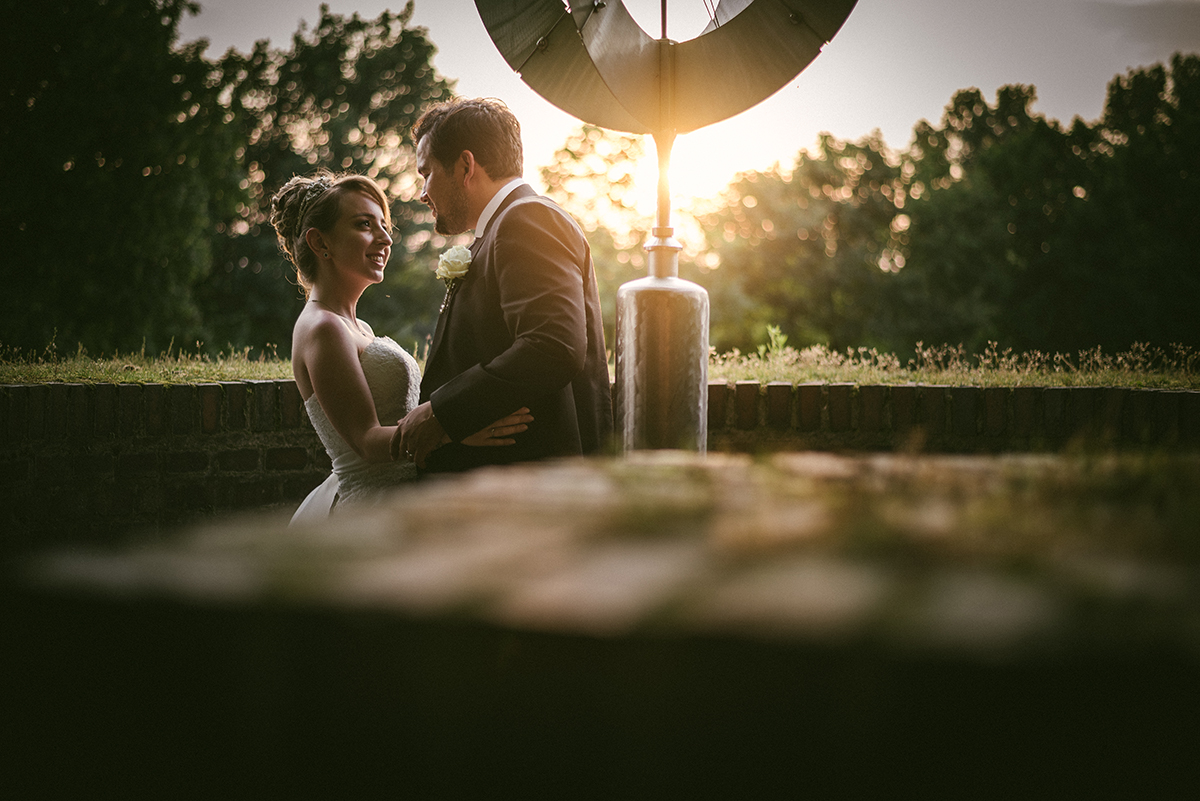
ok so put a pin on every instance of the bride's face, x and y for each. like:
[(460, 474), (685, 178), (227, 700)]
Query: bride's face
[(359, 243)]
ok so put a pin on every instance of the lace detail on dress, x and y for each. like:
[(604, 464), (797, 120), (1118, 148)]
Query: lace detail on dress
[(394, 379), (395, 383)]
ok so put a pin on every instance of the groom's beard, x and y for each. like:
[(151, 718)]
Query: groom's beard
[(450, 218)]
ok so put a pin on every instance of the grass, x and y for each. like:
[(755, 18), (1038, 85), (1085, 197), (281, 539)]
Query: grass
[(1177, 367), (169, 367)]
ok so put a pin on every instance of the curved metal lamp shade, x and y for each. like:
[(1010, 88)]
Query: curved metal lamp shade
[(594, 61)]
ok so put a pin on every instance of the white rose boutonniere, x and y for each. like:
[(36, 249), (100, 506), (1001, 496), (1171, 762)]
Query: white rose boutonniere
[(452, 266)]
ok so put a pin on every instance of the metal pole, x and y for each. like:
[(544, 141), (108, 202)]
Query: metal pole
[(662, 144)]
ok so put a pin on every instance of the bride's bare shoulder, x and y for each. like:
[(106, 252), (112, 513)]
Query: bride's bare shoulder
[(318, 323), (320, 329)]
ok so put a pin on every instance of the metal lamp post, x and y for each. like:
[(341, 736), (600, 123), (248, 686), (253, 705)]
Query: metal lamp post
[(662, 343), (591, 59)]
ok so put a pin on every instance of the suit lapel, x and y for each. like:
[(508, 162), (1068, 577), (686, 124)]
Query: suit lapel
[(522, 191)]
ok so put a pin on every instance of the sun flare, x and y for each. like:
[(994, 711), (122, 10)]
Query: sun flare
[(703, 165), (703, 162)]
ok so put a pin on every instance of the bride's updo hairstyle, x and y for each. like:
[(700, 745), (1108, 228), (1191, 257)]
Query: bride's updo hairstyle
[(303, 203)]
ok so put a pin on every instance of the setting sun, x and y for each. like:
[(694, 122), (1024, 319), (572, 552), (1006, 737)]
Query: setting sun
[(703, 163)]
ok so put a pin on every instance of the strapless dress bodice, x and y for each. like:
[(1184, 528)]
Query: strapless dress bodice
[(394, 379)]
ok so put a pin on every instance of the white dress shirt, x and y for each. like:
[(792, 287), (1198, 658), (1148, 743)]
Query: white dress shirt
[(485, 216)]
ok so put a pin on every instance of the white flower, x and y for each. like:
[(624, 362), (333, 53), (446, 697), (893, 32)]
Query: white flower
[(453, 264)]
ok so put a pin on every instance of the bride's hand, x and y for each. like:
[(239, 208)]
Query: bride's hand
[(500, 432)]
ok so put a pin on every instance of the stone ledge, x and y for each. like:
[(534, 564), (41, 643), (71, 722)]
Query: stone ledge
[(661, 626), (996, 556)]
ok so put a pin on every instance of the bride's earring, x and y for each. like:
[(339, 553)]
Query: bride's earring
[(327, 254)]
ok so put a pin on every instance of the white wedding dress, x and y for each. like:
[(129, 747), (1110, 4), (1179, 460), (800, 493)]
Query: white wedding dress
[(394, 379)]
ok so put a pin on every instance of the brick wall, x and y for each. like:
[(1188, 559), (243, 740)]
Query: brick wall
[(91, 462), (752, 417)]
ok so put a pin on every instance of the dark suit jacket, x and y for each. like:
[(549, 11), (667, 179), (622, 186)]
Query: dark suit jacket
[(522, 328)]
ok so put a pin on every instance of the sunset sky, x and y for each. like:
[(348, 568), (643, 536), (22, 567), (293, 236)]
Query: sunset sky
[(893, 63)]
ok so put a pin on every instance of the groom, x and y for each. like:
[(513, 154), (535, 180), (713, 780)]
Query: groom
[(522, 328)]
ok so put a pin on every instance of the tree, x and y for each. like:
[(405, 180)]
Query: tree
[(985, 257), (1146, 198), (802, 250), (119, 169), (995, 225), (137, 213), (1055, 239)]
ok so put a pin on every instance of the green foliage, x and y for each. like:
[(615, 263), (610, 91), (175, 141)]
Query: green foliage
[(134, 206), (802, 249), (593, 175), (137, 211), (996, 225), (119, 167)]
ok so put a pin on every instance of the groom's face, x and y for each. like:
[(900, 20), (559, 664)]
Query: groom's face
[(443, 193)]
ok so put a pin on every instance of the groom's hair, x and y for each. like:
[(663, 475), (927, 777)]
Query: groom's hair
[(485, 126)]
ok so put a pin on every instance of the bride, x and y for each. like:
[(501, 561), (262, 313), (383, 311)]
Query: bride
[(335, 230)]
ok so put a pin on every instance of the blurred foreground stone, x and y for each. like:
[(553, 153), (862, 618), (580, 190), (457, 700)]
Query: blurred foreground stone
[(665, 625)]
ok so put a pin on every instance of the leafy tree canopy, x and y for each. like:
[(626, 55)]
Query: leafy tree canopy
[(134, 203), (995, 225), (120, 164), (137, 210)]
